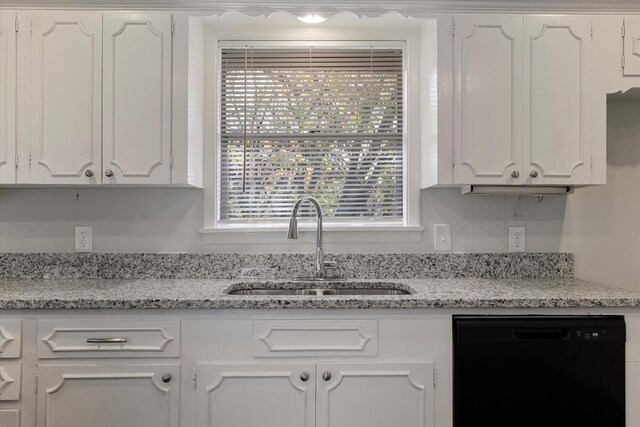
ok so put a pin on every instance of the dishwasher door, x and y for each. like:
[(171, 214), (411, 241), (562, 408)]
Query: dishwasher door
[(539, 371)]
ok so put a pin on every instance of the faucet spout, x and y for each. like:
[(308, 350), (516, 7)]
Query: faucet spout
[(293, 232)]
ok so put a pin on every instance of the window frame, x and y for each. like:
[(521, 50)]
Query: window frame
[(325, 44), (408, 37)]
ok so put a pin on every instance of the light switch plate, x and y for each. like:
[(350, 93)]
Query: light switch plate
[(517, 239), (442, 237)]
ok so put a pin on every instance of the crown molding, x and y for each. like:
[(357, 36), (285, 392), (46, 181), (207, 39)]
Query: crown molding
[(365, 8)]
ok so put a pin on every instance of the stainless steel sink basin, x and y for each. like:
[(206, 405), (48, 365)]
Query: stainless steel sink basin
[(314, 289)]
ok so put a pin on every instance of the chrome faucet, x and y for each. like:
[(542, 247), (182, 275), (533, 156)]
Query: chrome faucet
[(293, 233)]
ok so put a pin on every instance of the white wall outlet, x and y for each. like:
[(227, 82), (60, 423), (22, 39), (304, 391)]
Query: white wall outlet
[(442, 237), (84, 239), (517, 239)]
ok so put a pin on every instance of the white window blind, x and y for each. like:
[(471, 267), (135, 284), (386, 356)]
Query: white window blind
[(326, 122)]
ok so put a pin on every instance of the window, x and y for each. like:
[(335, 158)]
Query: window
[(326, 122)]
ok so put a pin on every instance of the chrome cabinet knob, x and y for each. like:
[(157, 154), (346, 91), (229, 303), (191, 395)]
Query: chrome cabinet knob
[(533, 174), (88, 173), (166, 378), (515, 174), (108, 173), (326, 376), (304, 377)]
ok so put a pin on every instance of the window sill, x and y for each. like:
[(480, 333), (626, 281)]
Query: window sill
[(276, 235)]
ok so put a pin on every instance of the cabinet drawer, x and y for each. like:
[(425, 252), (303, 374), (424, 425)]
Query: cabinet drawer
[(9, 418), (108, 338), (10, 379), (294, 338), (10, 338)]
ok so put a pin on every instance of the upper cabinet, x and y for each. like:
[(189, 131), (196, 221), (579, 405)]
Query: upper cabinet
[(557, 101), (7, 97), (488, 108), (631, 35), (66, 104), (522, 100), (95, 98), (137, 98)]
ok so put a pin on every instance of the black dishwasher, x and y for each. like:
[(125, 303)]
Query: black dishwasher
[(539, 371)]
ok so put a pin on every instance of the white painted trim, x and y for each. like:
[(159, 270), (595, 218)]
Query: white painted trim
[(370, 8), (332, 234), (345, 28)]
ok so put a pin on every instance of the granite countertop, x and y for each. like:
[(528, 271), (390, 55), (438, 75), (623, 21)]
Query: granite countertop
[(211, 294)]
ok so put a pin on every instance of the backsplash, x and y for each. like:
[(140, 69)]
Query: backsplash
[(283, 266)]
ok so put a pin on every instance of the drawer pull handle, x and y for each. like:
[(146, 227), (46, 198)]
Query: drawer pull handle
[(106, 340)]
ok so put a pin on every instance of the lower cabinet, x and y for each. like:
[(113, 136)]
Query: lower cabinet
[(375, 395), (633, 391), (260, 395), (108, 396), (306, 395)]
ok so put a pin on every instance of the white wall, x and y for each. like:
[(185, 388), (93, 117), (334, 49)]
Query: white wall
[(167, 220), (602, 224)]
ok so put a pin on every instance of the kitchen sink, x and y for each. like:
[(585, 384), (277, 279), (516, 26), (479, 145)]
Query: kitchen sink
[(314, 289)]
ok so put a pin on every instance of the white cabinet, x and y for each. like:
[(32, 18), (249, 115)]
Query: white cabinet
[(107, 396), (9, 418), (375, 395), (522, 105), (7, 97), (95, 99), (137, 98), (631, 33), (66, 80), (256, 395), (632, 393), (300, 395), (488, 108), (557, 100), (10, 379)]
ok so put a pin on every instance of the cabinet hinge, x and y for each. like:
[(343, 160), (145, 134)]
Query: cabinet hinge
[(35, 382), (195, 378), (173, 27), (29, 161), (17, 160), (623, 62), (453, 30), (171, 161), (453, 161), (623, 28), (17, 25), (435, 378)]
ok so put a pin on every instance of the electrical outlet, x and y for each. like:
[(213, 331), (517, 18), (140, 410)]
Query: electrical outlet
[(84, 239), (442, 237), (517, 239)]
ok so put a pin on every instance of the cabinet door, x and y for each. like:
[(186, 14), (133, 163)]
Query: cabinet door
[(257, 395), (108, 396), (632, 393), (7, 97), (557, 141), (66, 59), (137, 98), (632, 46), (375, 395), (488, 107)]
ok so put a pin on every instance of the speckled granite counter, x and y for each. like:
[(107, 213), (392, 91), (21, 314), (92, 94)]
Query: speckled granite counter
[(211, 294)]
